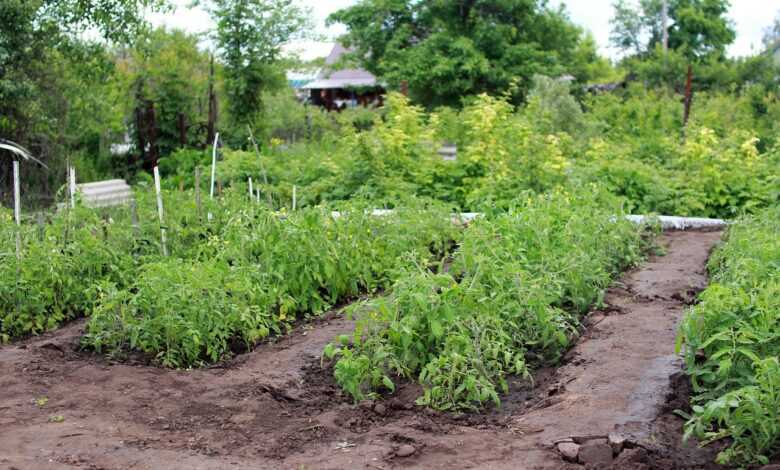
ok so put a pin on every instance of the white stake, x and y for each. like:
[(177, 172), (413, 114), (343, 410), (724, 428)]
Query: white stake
[(258, 195), (294, 197), (17, 210), (160, 210), (213, 170), (214, 164), (251, 192), (72, 185)]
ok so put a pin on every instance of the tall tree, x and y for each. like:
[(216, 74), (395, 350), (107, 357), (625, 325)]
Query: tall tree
[(697, 28), (249, 36), (46, 68), (447, 49), (772, 33), (174, 75)]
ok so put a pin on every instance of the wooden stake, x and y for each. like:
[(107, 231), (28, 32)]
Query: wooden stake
[(134, 219), (160, 210), (258, 195), (294, 198), (251, 192), (41, 226), (262, 167)]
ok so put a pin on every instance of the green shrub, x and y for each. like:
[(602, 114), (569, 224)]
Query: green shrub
[(732, 342)]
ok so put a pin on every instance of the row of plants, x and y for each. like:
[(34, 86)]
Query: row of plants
[(509, 299), (236, 270), (259, 279), (732, 344), (48, 285), (634, 142)]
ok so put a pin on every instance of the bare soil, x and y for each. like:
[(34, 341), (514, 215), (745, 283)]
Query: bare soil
[(277, 407)]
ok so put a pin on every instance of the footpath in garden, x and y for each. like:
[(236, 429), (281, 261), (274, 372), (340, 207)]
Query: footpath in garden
[(276, 407)]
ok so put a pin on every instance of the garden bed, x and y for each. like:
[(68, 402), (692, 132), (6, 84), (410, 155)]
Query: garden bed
[(275, 407)]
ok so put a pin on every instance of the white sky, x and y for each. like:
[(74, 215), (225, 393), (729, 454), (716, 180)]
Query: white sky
[(750, 18)]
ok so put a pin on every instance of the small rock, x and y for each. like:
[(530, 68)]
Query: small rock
[(569, 450), (395, 404), (617, 442), (380, 409), (405, 450), (598, 454), (635, 459), (366, 405)]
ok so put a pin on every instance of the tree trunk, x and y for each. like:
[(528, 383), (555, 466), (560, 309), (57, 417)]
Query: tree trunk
[(153, 157), (212, 122)]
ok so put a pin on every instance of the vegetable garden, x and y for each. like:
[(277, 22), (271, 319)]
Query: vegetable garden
[(460, 309)]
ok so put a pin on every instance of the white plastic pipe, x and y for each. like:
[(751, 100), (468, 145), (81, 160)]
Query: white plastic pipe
[(679, 223), (72, 185), (214, 164), (17, 209), (17, 195), (160, 210), (667, 221)]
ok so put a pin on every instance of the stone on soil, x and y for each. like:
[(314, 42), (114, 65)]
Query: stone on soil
[(616, 441), (405, 450), (598, 454), (569, 450)]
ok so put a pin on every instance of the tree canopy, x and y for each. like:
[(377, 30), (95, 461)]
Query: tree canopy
[(699, 29), (249, 36), (52, 79), (447, 49)]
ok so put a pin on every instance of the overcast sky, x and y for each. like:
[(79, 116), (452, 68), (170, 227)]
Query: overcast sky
[(750, 18)]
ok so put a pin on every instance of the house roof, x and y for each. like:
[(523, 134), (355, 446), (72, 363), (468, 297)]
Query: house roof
[(346, 78)]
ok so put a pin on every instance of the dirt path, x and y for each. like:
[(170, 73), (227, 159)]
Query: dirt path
[(276, 408)]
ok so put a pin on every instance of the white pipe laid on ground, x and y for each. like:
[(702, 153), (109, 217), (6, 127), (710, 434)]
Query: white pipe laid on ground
[(667, 221), (679, 223)]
